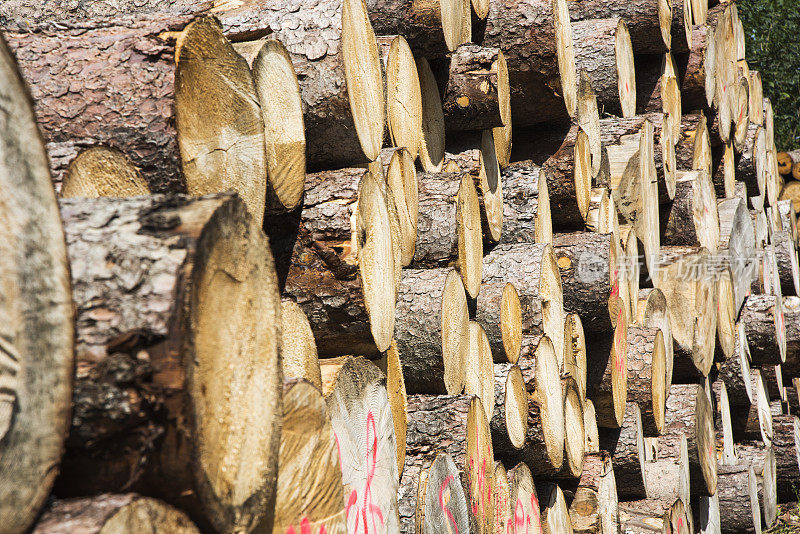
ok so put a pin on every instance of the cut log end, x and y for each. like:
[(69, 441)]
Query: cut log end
[(626, 73), (490, 188), (583, 172), (516, 407), (403, 97), (102, 172), (441, 503), (431, 146), (298, 348), (455, 332), (574, 437), (284, 130), (401, 177), (511, 322), (524, 500), (479, 466), (566, 55)]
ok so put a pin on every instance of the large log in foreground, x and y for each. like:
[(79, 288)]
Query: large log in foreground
[(649, 21), (36, 334), (151, 278)]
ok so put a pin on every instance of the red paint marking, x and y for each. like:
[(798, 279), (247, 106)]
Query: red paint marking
[(305, 526), (680, 524), (480, 479), (627, 89), (619, 361), (445, 509), (323, 530), (535, 508), (367, 510), (290, 530)]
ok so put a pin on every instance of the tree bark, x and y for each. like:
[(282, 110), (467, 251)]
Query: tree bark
[(751, 165), (692, 219), (432, 330), (762, 459), (360, 414), (607, 373), (310, 490), (589, 268), (689, 413), (785, 437), (37, 331), (476, 90), (698, 81), (649, 21), (535, 41), (786, 256), (754, 421), (594, 508), (791, 314), (569, 179), (431, 28), (603, 49), (735, 372), (626, 447), (764, 322), (739, 510), (647, 376), (129, 88), (110, 513), (151, 278), (462, 432)]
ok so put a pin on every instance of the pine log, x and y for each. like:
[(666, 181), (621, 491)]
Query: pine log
[(699, 77), (657, 89), (543, 443), (588, 117), (431, 147), (654, 515), (668, 474), (741, 111), (113, 513), (737, 239), (773, 379), (569, 180), (402, 183), (589, 266), (298, 348), (525, 501), (652, 312), (693, 219), (536, 40), (36, 336), (735, 371), (391, 367), (791, 313), (526, 204), (751, 166), (764, 322), (476, 94), (647, 376), (432, 28), (324, 267), (754, 421), (739, 509), (489, 183), (594, 509), (501, 495), (309, 491), (284, 129), (629, 270), (681, 26), (328, 42), (432, 330), (621, 134), (479, 376), (360, 413), (723, 424), (607, 373), (686, 280), (575, 364), (403, 93), (788, 218), (626, 447), (555, 513), (689, 413), (129, 87), (533, 270), (786, 256), (462, 432), (726, 315), (499, 311), (786, 436), (149, 292), (574, 432), (762, 459), (649, 21), (786, 161), (603, 49), (102, 172), (441, 503)]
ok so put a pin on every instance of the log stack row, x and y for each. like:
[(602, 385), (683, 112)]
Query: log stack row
[(311, 285)]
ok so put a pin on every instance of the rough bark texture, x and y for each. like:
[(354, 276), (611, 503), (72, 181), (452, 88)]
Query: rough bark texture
[(646, 374), (471, 96), (641, 16), (764, 318), (689, 414), (595, 51), (761, 457), (791, 314), (437, 235), (594, 508), (422, 339), (786, 256), (735, 372), (589, 278), (626, 446), (692, 219), (684, 148), (526, 205), (144, 270), (607, 371), (694, 82), (525, 32), (89, 92), (738, 499), (754, 421), (559, 170), (488, 312), (785, 433), (113, 513)]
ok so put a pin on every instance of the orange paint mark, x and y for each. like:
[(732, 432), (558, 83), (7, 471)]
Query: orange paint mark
[(444, 500)]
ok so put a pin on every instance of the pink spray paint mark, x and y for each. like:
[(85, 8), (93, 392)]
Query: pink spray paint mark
[(445, 509), (618, 358), (290, 530), (305, 526)]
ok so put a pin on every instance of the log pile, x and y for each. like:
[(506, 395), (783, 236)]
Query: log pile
[(278, 266)]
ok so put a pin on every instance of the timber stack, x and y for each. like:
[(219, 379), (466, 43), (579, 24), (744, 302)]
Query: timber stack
[(418, 266)]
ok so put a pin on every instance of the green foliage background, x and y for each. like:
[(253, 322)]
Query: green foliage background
[(772, 35)]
